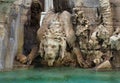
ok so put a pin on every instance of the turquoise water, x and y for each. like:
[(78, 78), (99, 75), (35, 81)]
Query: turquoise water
[(59, 75)]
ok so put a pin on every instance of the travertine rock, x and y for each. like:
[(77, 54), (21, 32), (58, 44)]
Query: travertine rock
[(106, 12), (12, 20), (3, 45), (104, 65), (115, 40)]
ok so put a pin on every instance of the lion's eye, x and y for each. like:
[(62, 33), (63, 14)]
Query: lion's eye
[(53, 46)]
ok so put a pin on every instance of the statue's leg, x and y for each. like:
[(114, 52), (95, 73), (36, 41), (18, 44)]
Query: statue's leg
[(71, 39), (79, 57), (33, 54)]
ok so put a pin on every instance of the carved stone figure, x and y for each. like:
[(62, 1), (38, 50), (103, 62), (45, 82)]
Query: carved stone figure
[(65, 29)]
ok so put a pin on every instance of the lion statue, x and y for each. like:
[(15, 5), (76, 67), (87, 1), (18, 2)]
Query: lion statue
[(58, 28)]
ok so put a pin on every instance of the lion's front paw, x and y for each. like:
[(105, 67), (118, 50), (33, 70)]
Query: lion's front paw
[(29, 59), (21, 58)]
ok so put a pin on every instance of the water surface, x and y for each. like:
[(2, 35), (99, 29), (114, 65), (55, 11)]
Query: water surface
[(59, 75)]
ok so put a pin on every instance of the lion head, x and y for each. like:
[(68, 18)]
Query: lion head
[(53, 44)]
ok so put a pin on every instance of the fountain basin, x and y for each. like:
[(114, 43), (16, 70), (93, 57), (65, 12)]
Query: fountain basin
[(59, 75)]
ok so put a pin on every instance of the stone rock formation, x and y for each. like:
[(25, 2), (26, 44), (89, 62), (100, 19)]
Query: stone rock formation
[(85, 33), (115, 46), (10, 21), (93, 39), (106, 12), (104, 65)]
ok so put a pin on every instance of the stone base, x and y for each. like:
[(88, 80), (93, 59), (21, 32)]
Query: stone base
[(105, 65)]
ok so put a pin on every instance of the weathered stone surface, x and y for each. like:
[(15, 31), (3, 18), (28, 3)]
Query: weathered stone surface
[(116, 59), (115, 2), (106, 13), (104, 65), (115, 46), (116, 18), (115, 42), (4, 33), (12, 36), (88, 3), (3, 45), (12, 21), (91, 15)]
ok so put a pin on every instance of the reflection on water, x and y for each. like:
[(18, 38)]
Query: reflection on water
[(59, 75)]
